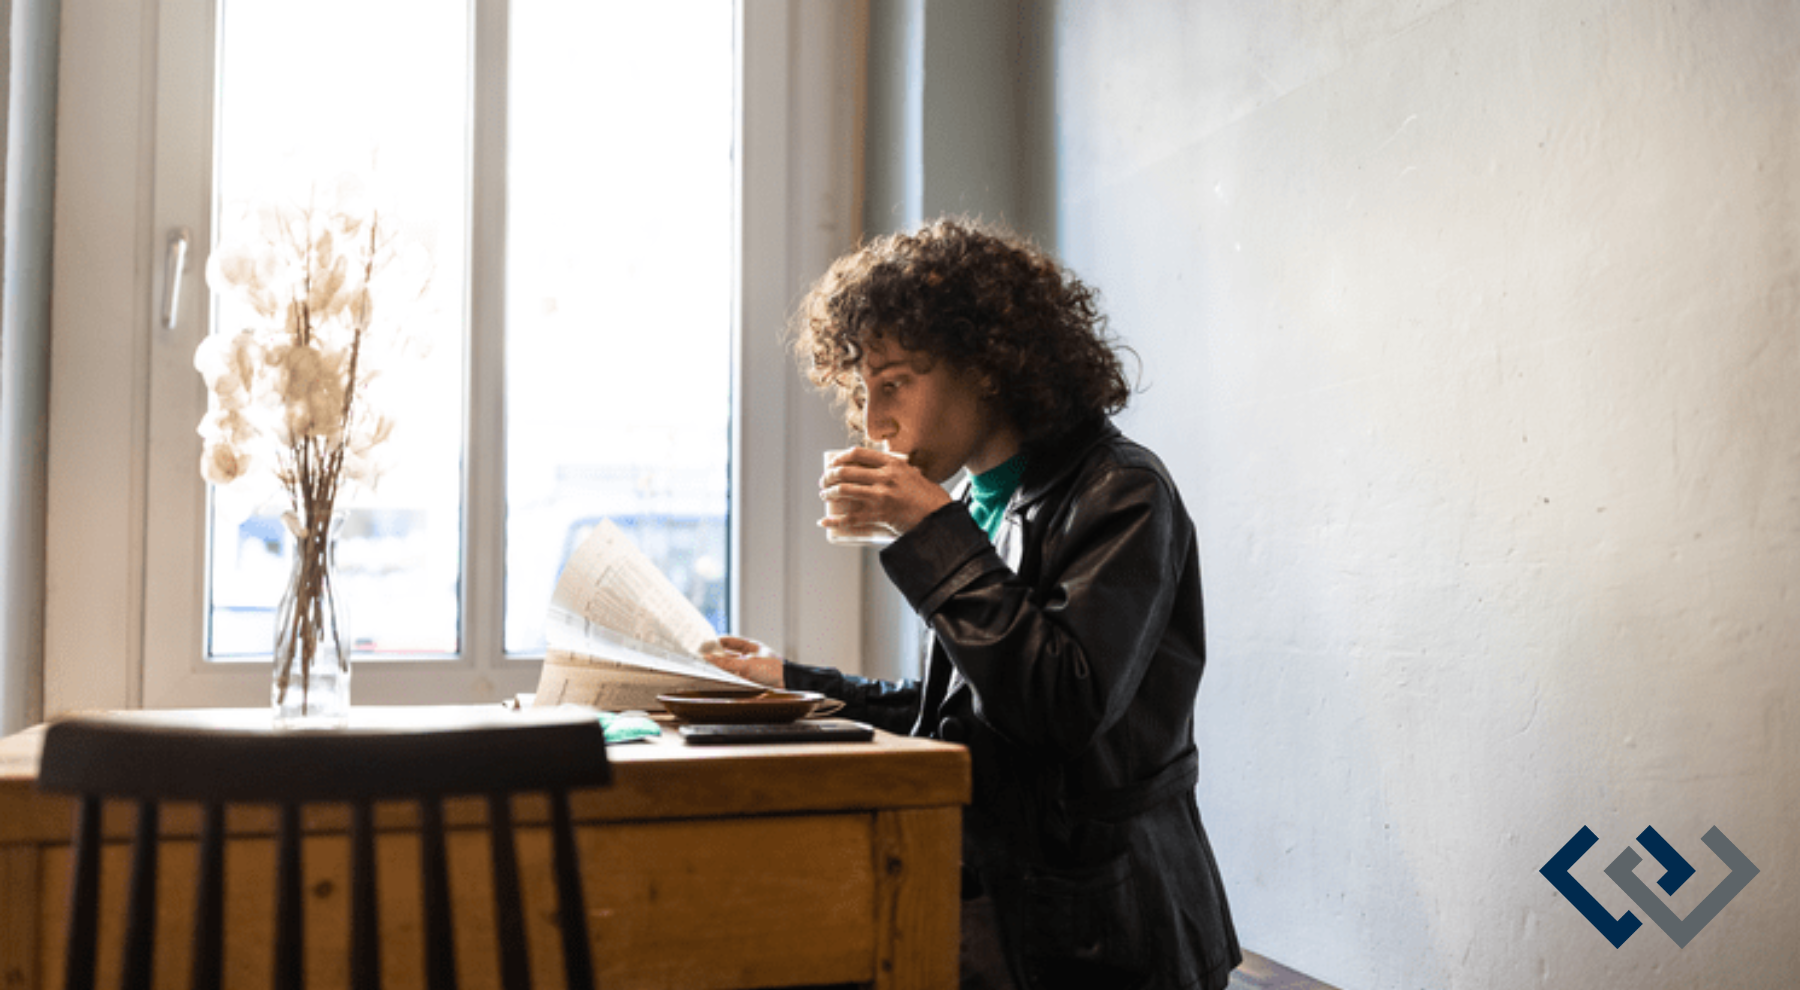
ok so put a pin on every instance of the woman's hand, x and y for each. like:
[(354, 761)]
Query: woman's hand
[(746, 658), (865, 488)]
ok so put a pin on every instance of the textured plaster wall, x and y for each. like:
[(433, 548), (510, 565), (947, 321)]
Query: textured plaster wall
[(1472, 333)]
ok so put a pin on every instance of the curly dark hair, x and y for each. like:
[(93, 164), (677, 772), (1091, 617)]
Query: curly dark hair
[(981, 298)]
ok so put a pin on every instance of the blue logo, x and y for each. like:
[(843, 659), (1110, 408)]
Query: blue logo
[(1675, 873)]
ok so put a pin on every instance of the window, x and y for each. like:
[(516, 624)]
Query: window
[(618, 302), (298, 102), (616, 253), (607, 204)]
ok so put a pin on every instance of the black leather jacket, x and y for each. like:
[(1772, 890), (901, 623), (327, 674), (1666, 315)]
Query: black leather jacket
[(1067, 656)]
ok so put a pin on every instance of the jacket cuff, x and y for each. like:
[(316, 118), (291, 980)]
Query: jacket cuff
[(800, 677), (940, 556)]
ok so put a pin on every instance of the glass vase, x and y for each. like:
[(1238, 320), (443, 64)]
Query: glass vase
[(311, 686)]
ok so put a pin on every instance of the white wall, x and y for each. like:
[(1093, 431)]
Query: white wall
[(1471, 331)]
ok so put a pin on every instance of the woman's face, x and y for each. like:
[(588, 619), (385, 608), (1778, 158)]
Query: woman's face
[(935, 414)]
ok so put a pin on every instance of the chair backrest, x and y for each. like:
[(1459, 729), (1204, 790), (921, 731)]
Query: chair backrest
[(223, 757)]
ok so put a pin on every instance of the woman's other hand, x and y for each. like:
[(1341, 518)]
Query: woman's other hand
[(746, 658)]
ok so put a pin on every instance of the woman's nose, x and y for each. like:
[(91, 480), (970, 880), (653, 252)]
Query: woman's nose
[(877, 425)]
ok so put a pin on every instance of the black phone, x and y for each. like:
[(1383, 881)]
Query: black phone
[(804, 730)]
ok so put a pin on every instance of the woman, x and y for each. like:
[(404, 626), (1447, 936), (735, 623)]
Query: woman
[(1061, 590)]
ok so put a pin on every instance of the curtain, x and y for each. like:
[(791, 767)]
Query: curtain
[(26, 222)]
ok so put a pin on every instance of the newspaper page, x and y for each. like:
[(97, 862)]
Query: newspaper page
[(619, 633)]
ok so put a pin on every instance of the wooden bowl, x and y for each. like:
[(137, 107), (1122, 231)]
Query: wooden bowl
[(739, 705)]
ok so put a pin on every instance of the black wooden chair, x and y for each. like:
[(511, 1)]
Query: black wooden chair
[(226, 757)]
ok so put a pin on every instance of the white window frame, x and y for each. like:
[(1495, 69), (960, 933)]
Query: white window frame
[(125, 572)]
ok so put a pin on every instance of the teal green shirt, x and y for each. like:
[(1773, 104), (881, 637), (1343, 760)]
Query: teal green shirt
[(989, 492)]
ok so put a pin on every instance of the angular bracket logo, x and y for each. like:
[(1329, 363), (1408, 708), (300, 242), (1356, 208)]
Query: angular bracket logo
[(1616, 930), (1676, 872)]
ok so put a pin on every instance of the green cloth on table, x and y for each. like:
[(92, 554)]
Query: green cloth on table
[(624, 727)]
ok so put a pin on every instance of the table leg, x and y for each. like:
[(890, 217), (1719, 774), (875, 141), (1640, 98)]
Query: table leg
[(918, 889)]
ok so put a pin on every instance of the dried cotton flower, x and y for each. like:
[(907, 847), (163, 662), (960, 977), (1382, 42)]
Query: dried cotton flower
[(222, 464), (299, 384)]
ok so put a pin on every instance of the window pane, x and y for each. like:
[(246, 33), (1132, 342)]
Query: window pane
[(619, 251), (378, 88)]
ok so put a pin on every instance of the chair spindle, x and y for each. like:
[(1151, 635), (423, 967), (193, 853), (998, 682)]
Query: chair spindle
[(365, 921), (209, 901), (440, 944), (509, 915), (136, 967), (578, 963), (290, 913), (84, 898)]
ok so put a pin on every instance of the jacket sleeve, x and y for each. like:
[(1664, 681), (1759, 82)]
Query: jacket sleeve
[(889, 705), (1055, 664)]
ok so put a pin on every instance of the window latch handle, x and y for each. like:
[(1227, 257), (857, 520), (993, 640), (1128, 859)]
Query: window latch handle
[(174, 265)]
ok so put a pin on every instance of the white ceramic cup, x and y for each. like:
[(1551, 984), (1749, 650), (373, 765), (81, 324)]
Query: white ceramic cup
[(877, 535)]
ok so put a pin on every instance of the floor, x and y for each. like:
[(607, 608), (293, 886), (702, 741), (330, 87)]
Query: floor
[(1262, 973), (1256, 973)]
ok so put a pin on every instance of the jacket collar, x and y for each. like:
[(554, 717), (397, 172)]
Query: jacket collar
[(1052, 460)]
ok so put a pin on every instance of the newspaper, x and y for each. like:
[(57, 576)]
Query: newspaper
[(619, 633)]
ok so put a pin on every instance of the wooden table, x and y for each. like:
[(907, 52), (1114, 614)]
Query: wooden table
[(705, 867)]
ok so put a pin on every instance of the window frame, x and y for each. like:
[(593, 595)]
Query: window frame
[(125, 568)]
